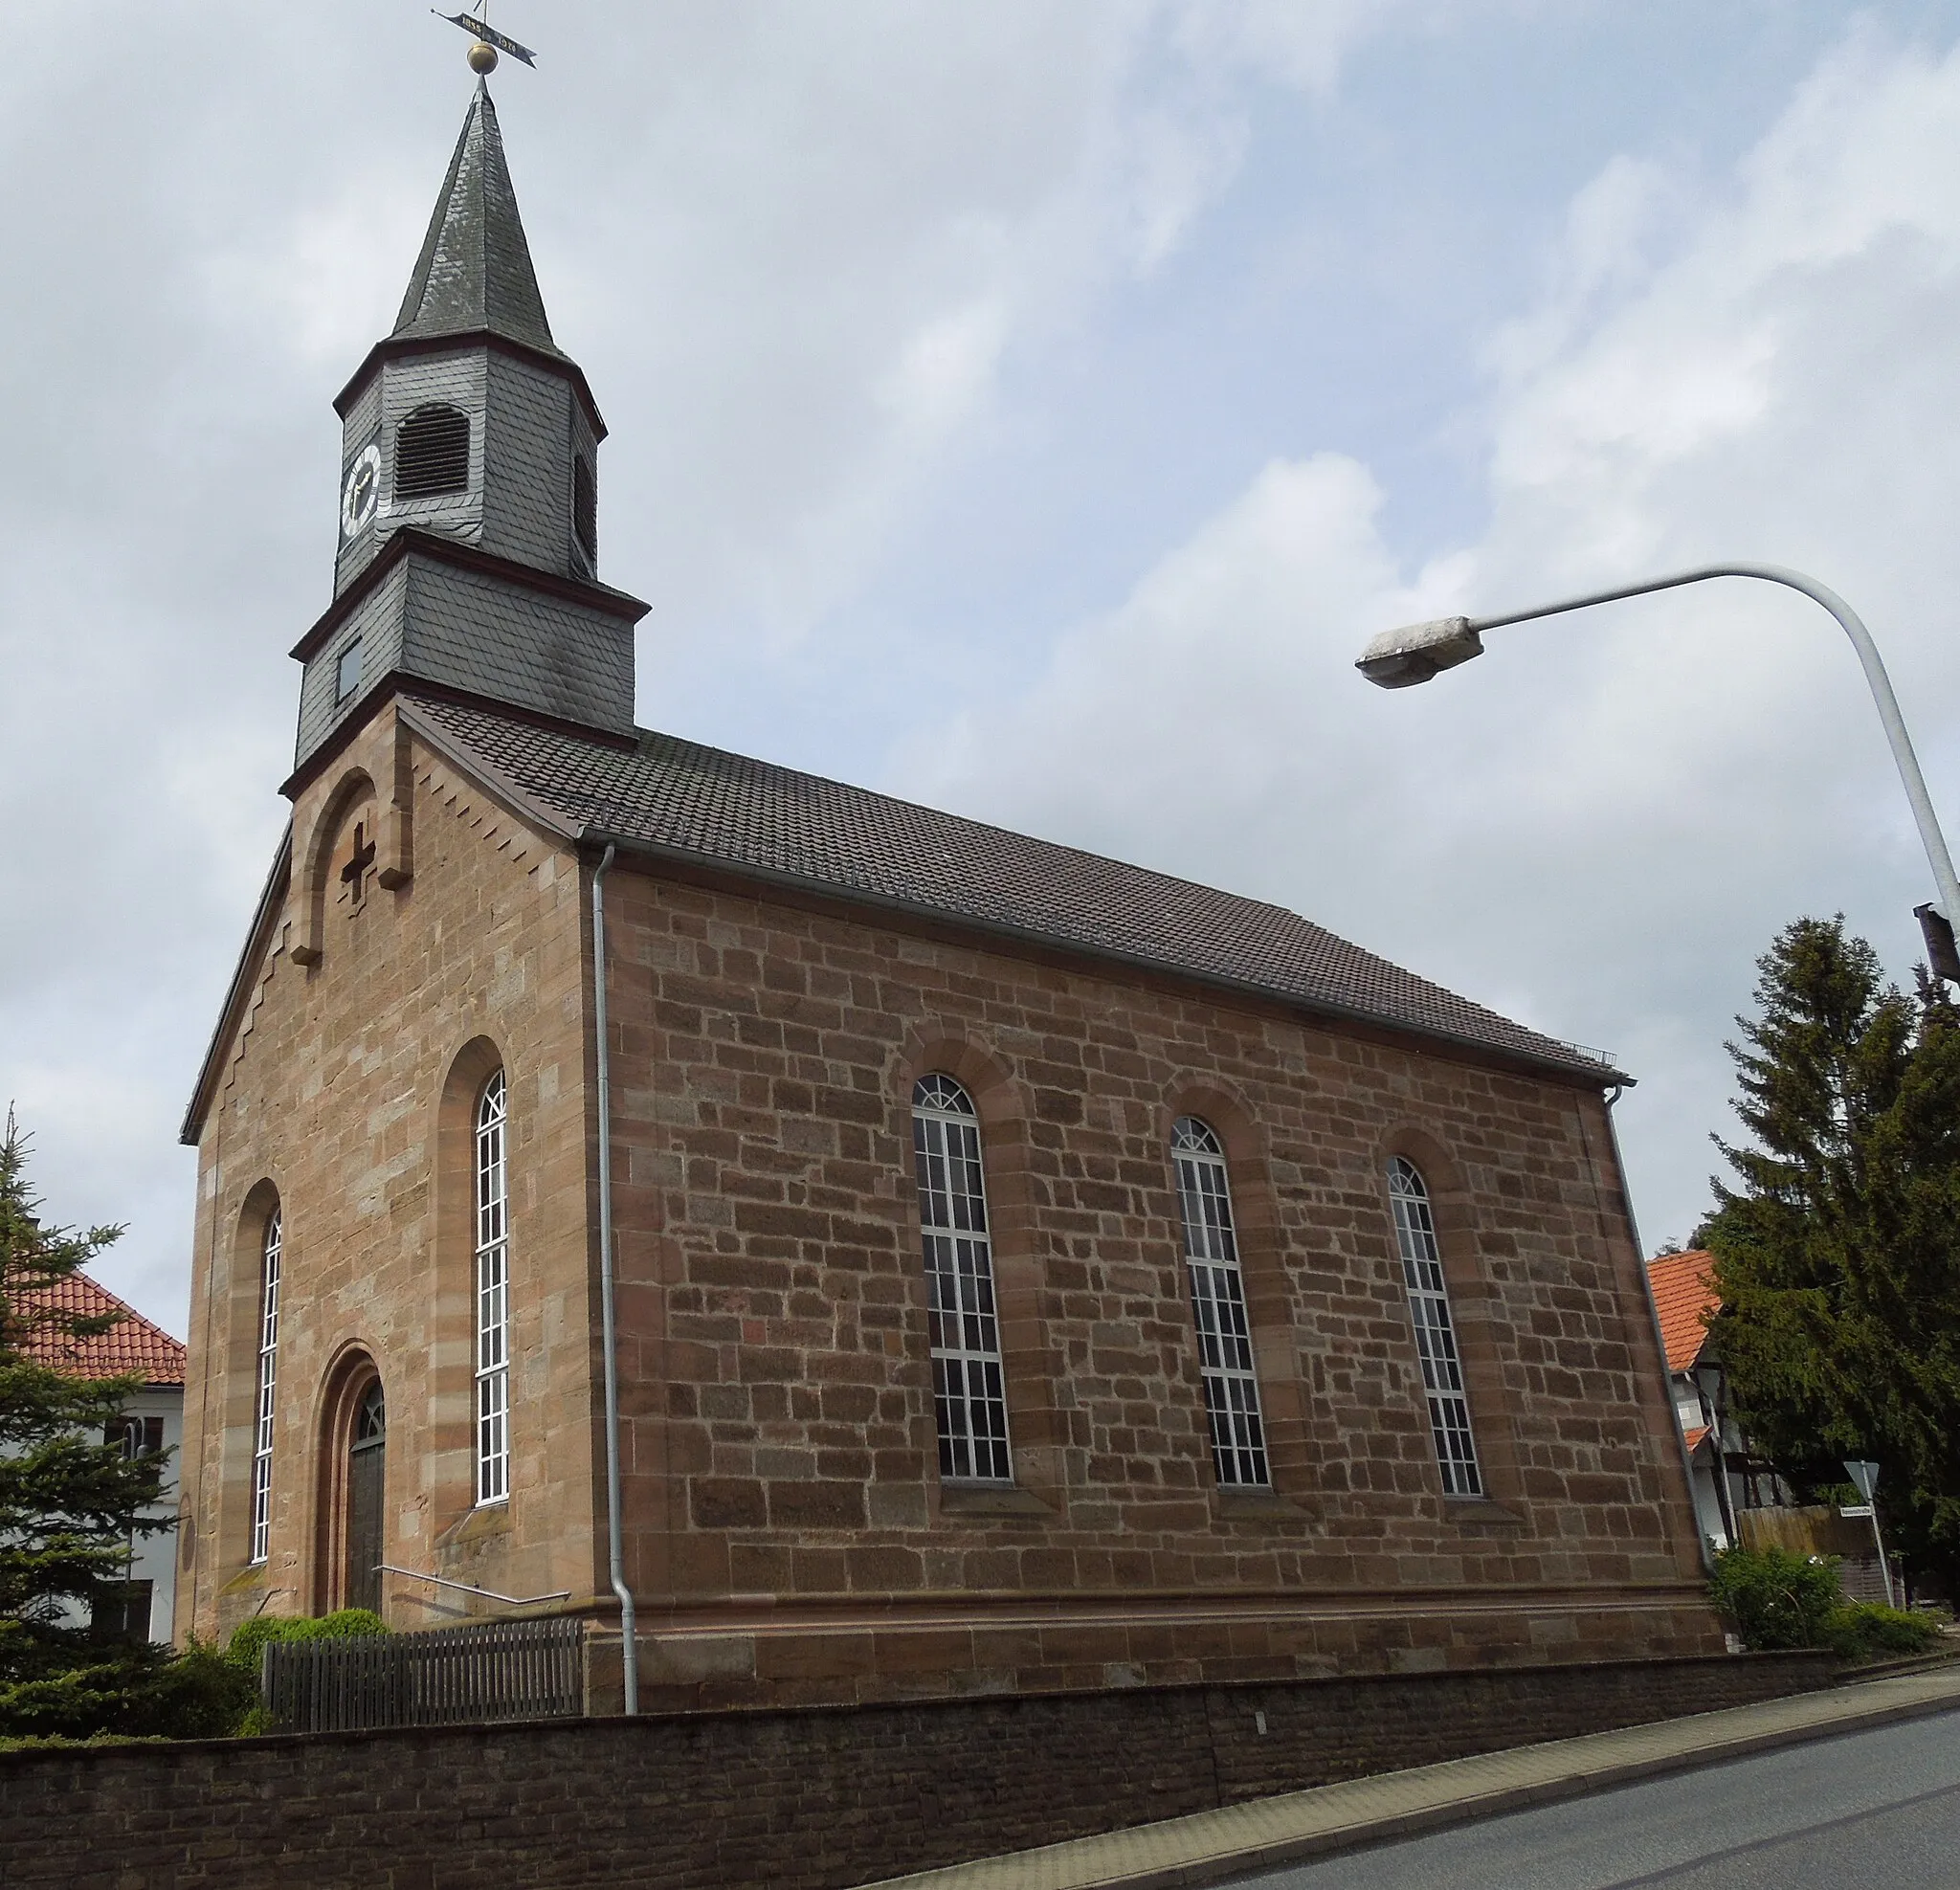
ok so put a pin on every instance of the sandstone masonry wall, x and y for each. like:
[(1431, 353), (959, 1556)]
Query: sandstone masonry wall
[(791, 1539), (791, 1536), (347, 1101)]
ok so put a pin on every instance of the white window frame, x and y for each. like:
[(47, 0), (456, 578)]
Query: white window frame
[(1218, 1306), (492, 1297), (1436, 1331), (969, 1382), (264, 1391)]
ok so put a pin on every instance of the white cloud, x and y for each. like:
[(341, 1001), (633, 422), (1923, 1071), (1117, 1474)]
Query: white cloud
[(797, 249), (1598, 826)]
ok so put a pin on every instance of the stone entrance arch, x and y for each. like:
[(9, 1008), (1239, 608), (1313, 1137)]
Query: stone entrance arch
[(353, 1508)]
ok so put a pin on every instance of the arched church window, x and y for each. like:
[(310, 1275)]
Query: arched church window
[(1218, 1303), (1435, 1333), (263, 1401), (432, 453), (970, 1401), (585, 508), (493, 1296)]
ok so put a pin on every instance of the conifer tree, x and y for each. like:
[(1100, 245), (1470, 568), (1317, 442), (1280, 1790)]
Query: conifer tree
[(1837, 1252), (71, 1500)]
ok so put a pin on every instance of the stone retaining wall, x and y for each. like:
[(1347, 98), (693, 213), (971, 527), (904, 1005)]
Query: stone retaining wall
[(813, 1799)]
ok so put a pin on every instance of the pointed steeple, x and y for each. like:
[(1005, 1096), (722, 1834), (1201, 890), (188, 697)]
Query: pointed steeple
[(475, 274), (469, 495)]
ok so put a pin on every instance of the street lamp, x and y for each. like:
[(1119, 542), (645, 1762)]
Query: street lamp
[(1398, 658)]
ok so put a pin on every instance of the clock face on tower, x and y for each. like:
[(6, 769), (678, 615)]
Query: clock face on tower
[(362, 490)]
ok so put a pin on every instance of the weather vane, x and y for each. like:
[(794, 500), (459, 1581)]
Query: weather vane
[(482, 55)]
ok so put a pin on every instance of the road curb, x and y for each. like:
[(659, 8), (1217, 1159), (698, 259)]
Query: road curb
[(1244, 1859), (1362, 1835)]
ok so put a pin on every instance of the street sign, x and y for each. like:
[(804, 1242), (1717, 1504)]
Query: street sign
[(1856, 1512), (1865, 1476), (1942, 957)]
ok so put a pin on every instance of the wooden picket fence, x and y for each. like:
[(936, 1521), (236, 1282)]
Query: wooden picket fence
[(492, 1670)]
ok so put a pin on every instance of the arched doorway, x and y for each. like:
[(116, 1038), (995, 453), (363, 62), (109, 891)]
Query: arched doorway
[(366, 1492)]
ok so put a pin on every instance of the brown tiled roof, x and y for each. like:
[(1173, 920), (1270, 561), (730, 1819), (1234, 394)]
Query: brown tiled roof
[(133, 1344), (665, 794), (1685, 1298), (1691, 1438)]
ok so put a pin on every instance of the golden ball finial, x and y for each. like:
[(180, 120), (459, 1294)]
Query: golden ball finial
[(483, 59)]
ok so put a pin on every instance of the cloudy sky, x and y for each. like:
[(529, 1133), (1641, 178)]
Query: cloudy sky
[(1031, 408)]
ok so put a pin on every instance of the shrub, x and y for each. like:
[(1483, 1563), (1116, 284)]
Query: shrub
[(1773, 1598), (245, 1650), (1861, 1631), (130, 1693)]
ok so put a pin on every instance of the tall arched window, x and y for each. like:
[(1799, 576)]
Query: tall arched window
[(263, 1401), (1218, 1304), (969, 1400), (493, 1296), (1436, 1334)]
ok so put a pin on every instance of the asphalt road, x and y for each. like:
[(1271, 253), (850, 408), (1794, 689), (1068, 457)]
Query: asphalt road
[(1874, 1811)]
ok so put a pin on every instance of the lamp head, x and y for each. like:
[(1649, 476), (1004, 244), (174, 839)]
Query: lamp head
[(1397, 658)]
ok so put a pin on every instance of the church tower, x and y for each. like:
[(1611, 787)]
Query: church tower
[(468, 518)]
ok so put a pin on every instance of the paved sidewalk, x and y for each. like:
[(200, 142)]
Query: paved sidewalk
[(1211, 1847)]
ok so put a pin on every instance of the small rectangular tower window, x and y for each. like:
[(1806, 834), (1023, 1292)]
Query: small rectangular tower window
[(585, 509), (346, 676)]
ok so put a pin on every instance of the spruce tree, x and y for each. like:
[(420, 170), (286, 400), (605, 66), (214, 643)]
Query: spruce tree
[(1837, 1252), (71, 1500)]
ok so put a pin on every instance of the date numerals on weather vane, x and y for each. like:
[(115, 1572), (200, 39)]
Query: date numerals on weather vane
[(489, 42)]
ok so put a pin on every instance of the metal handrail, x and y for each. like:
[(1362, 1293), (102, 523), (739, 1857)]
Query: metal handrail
[(471, 1588)]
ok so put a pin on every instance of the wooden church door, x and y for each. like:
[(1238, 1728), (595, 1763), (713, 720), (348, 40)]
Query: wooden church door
[(366, 1490)]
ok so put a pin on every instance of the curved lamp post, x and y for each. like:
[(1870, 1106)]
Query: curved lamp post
[(1399, 658)]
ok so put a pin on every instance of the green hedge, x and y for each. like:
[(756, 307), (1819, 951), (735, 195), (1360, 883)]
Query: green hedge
[(1863, 1631), (128, 1693), (246, 1647), (1775, 1598), (245, 1651)]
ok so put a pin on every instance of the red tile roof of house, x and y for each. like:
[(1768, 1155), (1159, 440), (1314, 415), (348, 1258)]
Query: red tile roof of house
[(1686, 1298), (133, 1344), (1692, 1436)]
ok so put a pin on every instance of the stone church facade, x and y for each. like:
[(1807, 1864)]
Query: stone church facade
[(1033, 1272)]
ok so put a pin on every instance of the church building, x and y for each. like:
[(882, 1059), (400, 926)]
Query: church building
[(1032, 1272)]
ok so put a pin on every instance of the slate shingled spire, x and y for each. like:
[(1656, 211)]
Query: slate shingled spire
[(469, 492), (475, 274)]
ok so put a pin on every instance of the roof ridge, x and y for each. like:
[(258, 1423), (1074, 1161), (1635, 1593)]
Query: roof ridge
[(987, 826), (672, 794)]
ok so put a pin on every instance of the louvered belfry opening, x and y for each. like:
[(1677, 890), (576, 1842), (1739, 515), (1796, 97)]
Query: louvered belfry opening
[(432, 453)]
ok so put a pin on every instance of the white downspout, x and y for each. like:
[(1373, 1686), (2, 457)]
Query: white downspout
[(1680, 1440), (615, 1545)]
